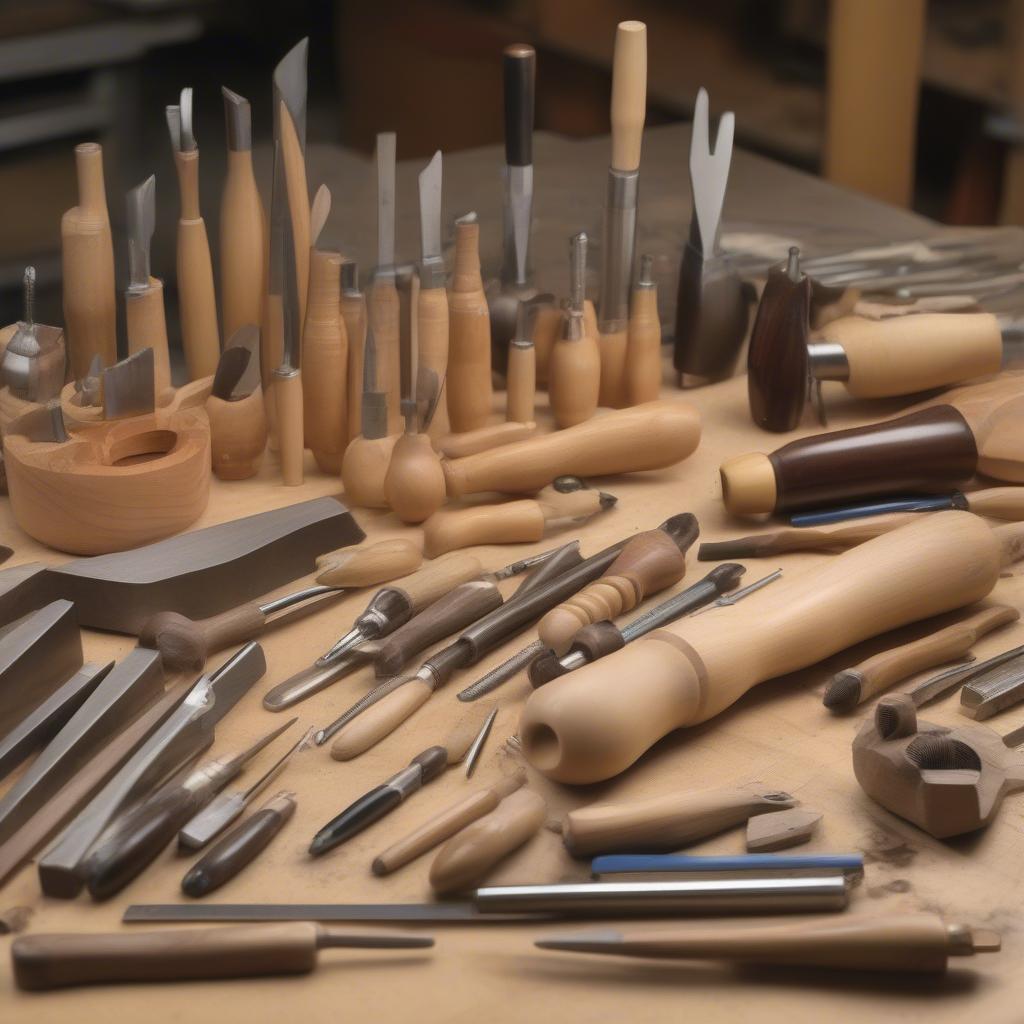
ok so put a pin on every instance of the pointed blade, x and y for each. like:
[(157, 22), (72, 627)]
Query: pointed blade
[(386, 146), (127, 387), (430, 209), (290, 86), (188, 137), (173, 115), (141, 211), (237, 120), (247, 337)]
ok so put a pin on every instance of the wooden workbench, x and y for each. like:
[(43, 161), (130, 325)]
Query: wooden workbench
[(778, 736)]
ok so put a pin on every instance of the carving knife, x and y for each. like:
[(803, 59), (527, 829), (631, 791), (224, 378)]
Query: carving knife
[(128, 388), (432, 300), (384, 302)]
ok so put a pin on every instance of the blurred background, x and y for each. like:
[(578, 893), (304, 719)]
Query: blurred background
[(943, 74)]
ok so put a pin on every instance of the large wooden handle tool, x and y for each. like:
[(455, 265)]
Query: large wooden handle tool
[(384, 310), (381, 719), (238, 435), (197, 303), (289, 408), (643, 348), (854, 685), (87, 264), (365, 566), (594, 723), (649, 436), (664, 822), (649, 563), (433, 581), (457, 446), (298, 203), (353, 313)]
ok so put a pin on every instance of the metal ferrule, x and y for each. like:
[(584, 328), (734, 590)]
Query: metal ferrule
[(407, 781), (432, 273), (617, 253), (517, 216), (572, 326), (828, 361), (375, 415)]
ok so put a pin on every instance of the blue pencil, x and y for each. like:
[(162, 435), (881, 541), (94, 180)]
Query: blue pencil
[(614, 864)]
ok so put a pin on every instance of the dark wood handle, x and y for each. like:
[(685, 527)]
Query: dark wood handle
[(519, 64), (465, 604), (185, 643)]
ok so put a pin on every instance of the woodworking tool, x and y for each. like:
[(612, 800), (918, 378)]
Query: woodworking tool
[(643, 346), (727, 600), (383, 298), (32, 366), (993, 689), (450, 912), (128, 388), (353, 313), (682, 864), (522, 364), (476, 749)]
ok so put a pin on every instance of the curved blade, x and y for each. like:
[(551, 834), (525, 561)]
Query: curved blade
[(430, 209), (290, 86), (141, 213)]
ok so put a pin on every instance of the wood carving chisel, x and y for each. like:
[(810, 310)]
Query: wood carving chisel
[(940, 684), (49, 961), (424, 768), (134, 839), (353, 313), (383, 298)]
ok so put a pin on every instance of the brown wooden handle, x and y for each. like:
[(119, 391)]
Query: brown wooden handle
[(384, 313), (455, 446), (649, 436), (288, 401), (469, 353), (57, 961), (434, 581), (380, 720), (147, 328), (186, 644), (369, 564), (457, 609), (629, 94), (643, 348), (465, 860), (514, 522), (414, 485), (432, 349), (238, 435)]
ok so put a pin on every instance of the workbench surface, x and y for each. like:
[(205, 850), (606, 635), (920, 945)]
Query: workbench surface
[(777, 736)]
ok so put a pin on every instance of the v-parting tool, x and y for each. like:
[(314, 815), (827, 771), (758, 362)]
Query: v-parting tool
[(711, 310)]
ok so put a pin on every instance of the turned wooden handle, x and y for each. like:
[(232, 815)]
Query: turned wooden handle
[(447, 615), (380, 720), (59, 960), (353, 312), (514, 522), (649, 436), (238, 435), (574, 379), (591, 724), (629, 94), (186, 643), (370, 564), (649, 563), (643, 348), (457, 446), (521, 394), (433, 581), (297, 190), (904, 354), (147, 328), (998, 502), (547, 326), (464, 861), (883, 670), (288, 400), (432, 349), (364, 467), (414, 485), (385, 312), (663, 822), (612, 350), (243, 245)]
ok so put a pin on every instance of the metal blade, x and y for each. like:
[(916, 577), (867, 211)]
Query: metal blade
[(386, 144), (247, 337), (233, 362), (709, 170), (430, 209), (127, 387), (292, 340), (237, 120), (188, 137), (290, 86), (141, 210), (173, 114)]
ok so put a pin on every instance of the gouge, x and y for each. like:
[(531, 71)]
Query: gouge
[(197, 303), (62, 960), (383, 300), (87, 268)]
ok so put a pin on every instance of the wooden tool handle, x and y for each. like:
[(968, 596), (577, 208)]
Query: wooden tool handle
[(469, 351), (380, 720), (353, 312), (612, 351), (414, 485), (592, 724), (92, 196), (185, 643), (288, 400), (457, 609), (369, 564), (364, 467), (196, 302), (456, 446), (243, 245), (629, 94), (574, 379), (663, 822), (904, 354), (297, 190), (238, 435), (922, 451), (147, 328), (649, 563), (384, 313), (643, 348), (547, 326), (649, 436), (998, 502), (465, 860), (432, 349), (883, 670), (56, 961), (521, 392), (434, 581), (514, 522)]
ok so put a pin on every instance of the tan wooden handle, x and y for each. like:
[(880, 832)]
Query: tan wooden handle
[(147, 328), (663, 822), (456, 446), (612, 348), (364, 467), (238, 435), (883, 670), (643, 348), (384, 313), (465, 860), (380, 720), (914, 353), (353, 312), (592, 723), (55, 961), (414, 485), (515, 522), (184, 643), (547, 326), (521, 391), (370, 564), (436, 580), (243, 245), (432, 349), (196, 300), (649, 436), (998, 502), (298, 203), (574, 379), (629, 94), (288, 400)]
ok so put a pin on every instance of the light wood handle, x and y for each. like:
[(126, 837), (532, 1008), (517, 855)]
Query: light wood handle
[(414, 485), (643, 348), (649, 436), (515, 522), (465, 860), (196, 302), (434, 581), (243, 245), (380, 720), (521, 392), (457, 446), (998, 502), (297, 190), (883, 670), (574, 379), (353, 312), (648, 564), (663, 822), (87, 958), (593, 723), (547, 326), (147, 328), (370, 564), (384, 313), (469, 336), (363, 469), (271, 356), (288, 400), (629, 94), (905, 354), (238, 435), (432, 349), (612, 348)]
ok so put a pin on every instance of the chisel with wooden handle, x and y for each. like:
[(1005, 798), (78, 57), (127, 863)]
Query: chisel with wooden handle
[(353, 313), (383, 302), (643, 349)]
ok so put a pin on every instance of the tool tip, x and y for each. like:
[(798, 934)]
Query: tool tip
[(843, 693), (583, 942), (607, 500)]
